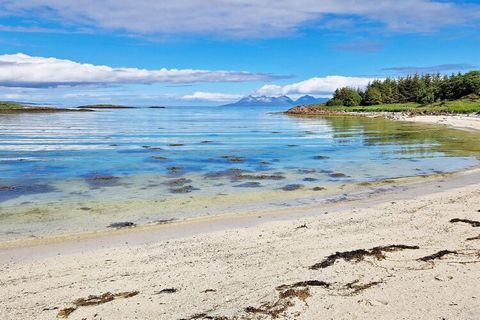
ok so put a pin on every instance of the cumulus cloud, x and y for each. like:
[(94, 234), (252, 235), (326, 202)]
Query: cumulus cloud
[(21, 70), (201, 96), (315, 86), (247, 18)]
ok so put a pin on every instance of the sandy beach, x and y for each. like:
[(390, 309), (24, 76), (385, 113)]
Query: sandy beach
[(465, 122), (412, 252)]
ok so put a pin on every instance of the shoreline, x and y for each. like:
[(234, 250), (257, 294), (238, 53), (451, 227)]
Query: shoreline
[(456, 121), (357, 195), (242, 271)]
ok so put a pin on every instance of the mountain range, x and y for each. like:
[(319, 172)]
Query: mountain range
[(281, 101)]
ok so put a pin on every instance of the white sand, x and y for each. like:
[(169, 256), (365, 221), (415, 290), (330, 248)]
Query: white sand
[(469, 122), (223, 271)]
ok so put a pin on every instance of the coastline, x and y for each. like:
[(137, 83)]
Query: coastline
[(307, 204), (456, 121), (223, 272), (233, 267)]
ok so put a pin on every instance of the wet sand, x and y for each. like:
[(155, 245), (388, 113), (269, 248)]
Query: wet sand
[(408, 252)]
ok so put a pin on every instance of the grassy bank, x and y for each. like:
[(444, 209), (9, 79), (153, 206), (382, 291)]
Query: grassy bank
[(461, 106), (12, 107)]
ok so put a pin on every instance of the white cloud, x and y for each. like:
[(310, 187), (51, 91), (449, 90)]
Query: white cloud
[(246, 18), (315, 86), (200, 96), (20, 70)]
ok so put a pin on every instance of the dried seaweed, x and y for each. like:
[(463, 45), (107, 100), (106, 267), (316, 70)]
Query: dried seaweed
[(473, 223), (437, 255), (168, 290), (283, 303), (93, 300), (356, 287), (303, 226), (474, 238), (360, 254), (308, 283), (103, 298), (64, 313)]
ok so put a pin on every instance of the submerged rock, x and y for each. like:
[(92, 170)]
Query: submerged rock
[(151, 148), (174, 169), (259, 177), (320, 157), (233, 158), (102, 181), (183, 189), (229, 173), (292, 187), (337, 175), (8, 192), (177, 182), (120, 225), (7, 188), (249, 185)]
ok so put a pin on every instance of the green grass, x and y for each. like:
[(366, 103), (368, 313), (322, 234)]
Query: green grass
[(461, 106), (12, 107), (4, 105)]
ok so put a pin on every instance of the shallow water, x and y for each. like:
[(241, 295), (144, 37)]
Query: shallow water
[(71, 172)]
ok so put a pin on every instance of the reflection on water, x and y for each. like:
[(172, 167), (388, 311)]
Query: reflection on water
[(77, 171)]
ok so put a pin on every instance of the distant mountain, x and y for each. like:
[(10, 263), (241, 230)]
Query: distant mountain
[(282, 101), (310, 100)]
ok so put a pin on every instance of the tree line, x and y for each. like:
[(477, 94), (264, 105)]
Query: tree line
[(423, 89)]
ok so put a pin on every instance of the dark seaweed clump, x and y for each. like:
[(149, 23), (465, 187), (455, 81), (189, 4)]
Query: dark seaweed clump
[(233, 159), (473, 223), (360, 254), (177, 182), (120, 225), (94, 300), (8, 192), (102, 181), (253, 184), (151, 148), (292, 187), (337, 175), (437, 255), (183, 189)]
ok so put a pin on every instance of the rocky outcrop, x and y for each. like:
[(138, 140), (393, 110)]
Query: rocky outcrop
[(307, 110)]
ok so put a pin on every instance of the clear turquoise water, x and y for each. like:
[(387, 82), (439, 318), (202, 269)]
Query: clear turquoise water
[(46, 160)]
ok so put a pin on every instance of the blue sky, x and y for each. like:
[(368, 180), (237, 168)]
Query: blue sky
[(188, 52)]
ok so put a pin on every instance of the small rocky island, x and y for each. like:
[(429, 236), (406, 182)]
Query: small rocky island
[(12, 107), (105, 106)]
